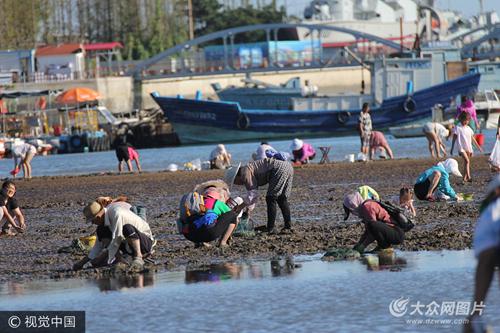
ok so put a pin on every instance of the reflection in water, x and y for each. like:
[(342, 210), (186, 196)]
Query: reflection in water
[(282, 267), (237, 271), (214, 273), (15, 288), (125, 281), (384, 261)]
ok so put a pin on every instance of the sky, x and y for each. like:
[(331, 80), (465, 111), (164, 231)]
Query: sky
[(467, 7)]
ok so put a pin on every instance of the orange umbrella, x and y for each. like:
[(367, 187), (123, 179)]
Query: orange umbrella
[(77, 95)]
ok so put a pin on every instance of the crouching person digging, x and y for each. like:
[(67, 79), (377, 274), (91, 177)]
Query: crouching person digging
[(205, 218), (119, 231), (383, 222)]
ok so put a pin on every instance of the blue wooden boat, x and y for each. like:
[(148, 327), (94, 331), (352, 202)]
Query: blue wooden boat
[(204, 121)]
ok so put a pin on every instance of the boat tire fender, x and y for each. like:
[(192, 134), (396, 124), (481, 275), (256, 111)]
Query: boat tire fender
[(75, 142), (343, 117), (409, 105), (243, 121)]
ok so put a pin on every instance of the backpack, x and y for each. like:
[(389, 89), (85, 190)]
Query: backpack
[(191, 206), (397, 215)]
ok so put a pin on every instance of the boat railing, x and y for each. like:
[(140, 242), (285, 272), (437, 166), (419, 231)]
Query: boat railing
[(341, 102)]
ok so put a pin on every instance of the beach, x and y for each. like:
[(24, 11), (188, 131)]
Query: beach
[(53, 208)]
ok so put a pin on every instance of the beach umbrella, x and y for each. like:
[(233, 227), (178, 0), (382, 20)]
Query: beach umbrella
[(77, 96)]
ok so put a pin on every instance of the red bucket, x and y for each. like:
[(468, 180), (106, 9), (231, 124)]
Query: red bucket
[(480, 139)]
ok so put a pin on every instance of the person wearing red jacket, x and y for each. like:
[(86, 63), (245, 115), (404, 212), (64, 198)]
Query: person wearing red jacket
[(378, 224)]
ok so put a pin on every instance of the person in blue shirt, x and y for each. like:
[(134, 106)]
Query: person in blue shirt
[(437, 178)]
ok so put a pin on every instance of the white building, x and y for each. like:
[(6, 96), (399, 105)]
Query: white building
[(64, 61)]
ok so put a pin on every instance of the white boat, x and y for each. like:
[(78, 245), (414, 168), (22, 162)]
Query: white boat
[(376, 17), (393, 20), (487, 106)]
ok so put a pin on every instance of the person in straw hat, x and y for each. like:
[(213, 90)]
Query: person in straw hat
[(486, 249), (127, 232), (278, 174)]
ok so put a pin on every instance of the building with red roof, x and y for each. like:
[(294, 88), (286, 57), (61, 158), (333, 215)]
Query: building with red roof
[(65, 61)]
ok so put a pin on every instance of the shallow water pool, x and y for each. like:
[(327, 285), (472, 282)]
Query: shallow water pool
[(301, 294), (160, 158)]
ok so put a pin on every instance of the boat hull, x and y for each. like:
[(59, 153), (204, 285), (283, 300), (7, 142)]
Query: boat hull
[(201, 121)]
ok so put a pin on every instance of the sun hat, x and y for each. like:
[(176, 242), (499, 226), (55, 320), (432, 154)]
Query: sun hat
[(296, 144), (351, 203), (91, 210), (231, 173), (451, 166)]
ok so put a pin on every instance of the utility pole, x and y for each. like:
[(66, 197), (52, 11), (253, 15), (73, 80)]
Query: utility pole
[(190, 15)]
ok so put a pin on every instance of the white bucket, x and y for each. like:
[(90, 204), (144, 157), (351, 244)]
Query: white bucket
[(350, 158), (362, 157)]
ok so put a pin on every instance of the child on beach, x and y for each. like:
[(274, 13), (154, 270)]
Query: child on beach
[(465, 138), (10, 213), (406, 201), (134, 156), (23, 154)]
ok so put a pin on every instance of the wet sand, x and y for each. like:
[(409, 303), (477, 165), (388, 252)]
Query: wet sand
[(53, 206)]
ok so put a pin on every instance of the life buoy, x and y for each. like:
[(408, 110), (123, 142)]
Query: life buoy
[(243, 121), (343, 117), (409, 105), (76, 142)]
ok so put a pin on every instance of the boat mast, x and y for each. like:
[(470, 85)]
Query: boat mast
[(481, 7)]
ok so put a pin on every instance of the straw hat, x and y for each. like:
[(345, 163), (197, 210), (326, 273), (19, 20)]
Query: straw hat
[(91, 210), (231, 173), (296, 144)]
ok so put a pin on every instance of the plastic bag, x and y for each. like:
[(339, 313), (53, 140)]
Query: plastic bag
[(495, 155), (194, 165)]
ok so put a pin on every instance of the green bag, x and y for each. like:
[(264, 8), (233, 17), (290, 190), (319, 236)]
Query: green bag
[(245, 228)]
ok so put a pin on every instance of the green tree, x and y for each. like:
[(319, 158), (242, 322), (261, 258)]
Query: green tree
[(211, 19)]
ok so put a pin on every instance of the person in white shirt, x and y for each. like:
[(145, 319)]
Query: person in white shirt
[(262, 151), (220, 158), (465, 139), (125, 231), (23, 154), (436, 134)]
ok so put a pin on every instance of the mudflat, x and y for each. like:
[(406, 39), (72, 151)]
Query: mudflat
[(53, 209)]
